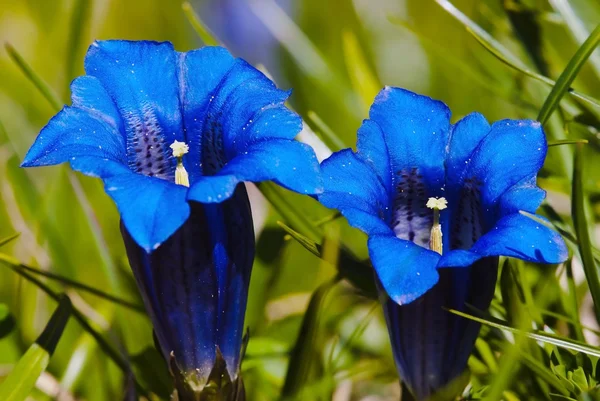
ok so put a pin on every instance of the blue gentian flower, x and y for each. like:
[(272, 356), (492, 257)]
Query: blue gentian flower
[(150, 121), (409, 165)]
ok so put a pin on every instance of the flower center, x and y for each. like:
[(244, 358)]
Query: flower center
[(181, 175), (411, 219), (146, 146), (435, 239)]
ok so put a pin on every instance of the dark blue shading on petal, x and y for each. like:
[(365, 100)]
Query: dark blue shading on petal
[(143, 81), (431, 346), (195, 284), (239, 130)]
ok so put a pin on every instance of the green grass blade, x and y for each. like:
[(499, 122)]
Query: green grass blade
[(543, 373), (534, 335), (35, 79), (83, 287), (304, 353), (8, 239), (363, 79), (567, 142), (357, 272), (106, 347), (568, 75), (7, 321), (199, 27), (580, 222), (21, 380), (330, 138), (512, 61), (80, 17)]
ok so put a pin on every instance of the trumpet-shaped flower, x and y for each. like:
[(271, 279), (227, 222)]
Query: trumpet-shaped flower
[(172, 135), (438, 199)]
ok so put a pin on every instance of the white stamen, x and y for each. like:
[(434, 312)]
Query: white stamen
[(181, 174), (435, 239), (437, 203), (179, 148)]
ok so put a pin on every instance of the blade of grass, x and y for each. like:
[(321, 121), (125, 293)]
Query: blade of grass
[(577, 27), (330, 138), (580, 222), (21, 380), (83, 287), (82, 10), (463, 66), (513, 62), (543, 373), (567, 142), (534, 335), (78, 316), (363, 79), (199, 27), (7, 321), (573, 305), (34, 78), (303, 353), (6, 240), (355, 271), (568, 75)]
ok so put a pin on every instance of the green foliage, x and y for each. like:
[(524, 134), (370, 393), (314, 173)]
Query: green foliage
[(309, 338)]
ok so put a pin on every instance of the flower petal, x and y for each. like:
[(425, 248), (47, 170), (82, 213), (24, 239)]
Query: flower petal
[(525, 195), (405, 270), (466, 136), (517, 236), (143, 80), (197, 93), (371, 147), (87, 93), (513, 150), (352, 187), (289, 163), (151, 209), (416, 130), (74, 132)]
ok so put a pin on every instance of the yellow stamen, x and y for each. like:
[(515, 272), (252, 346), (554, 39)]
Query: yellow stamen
[(179, 149), (435, 239), (181, 174)]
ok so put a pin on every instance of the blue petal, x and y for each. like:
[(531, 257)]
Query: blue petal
[(87, 93), (209, 135), (371, 147), (352, 186), (466, 135), (291, 164), (525, 195), (72, 133), (517, 236), (143, 80), (513, 150), (416, 130), (405, 270), (151, 209), (197, 93)]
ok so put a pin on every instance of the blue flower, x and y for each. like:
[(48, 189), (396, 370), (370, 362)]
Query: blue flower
[(407, 153), (146, 118)]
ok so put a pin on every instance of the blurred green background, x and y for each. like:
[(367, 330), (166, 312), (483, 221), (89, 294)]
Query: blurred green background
[(335, 55)]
